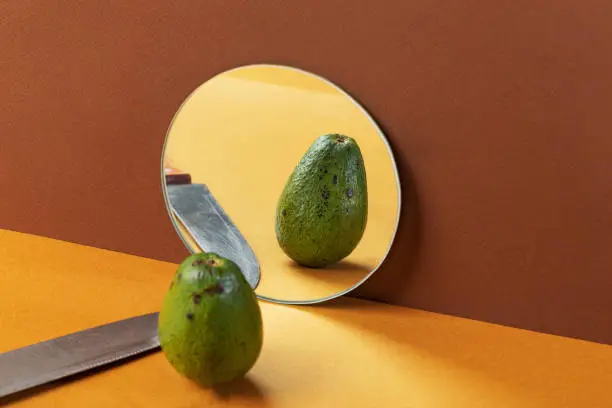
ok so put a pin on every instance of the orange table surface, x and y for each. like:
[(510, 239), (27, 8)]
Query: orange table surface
[(349, 353)]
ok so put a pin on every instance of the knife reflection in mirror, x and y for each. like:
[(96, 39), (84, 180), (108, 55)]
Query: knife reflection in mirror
[(202, 219)]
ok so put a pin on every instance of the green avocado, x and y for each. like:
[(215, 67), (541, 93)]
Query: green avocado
[(322, 211), (210, 324)]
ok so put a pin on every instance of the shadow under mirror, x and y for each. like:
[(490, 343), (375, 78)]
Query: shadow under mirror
[(284, 173)]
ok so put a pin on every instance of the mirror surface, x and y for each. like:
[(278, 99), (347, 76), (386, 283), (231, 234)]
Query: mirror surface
[(242, 134)]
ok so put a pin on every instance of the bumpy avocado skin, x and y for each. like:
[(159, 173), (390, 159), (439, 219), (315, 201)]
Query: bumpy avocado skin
[(323, 209), (210, 323)]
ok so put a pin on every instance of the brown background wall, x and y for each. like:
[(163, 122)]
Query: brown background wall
[(499, 113)]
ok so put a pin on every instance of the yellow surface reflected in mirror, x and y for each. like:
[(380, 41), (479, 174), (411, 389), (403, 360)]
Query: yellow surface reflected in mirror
[(243, 132)]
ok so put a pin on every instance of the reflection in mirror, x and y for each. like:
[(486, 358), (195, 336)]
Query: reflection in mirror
[(282, 172)]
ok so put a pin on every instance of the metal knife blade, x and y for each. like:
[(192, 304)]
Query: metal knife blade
[(74, 353), (209, 225)]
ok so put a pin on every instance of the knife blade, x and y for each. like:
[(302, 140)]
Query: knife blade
[(208, 224), (74, 353)]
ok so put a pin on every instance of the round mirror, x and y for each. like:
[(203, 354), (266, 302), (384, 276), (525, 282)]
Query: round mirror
[(285, 174)]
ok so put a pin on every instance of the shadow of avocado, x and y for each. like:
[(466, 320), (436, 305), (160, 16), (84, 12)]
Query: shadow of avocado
[(345, 272), (242, 389), (342, 265)]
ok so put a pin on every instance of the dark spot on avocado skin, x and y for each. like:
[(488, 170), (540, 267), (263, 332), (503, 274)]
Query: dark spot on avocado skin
[(349, 193), (189, 316), (347, 210), (197, 298), (215, 289), (196, 262), (284, 212), (178, 277), (335, 180), (320, 210), (325, 194)]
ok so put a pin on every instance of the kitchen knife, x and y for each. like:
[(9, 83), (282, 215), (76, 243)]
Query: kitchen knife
[(61, 357), (203, 218)]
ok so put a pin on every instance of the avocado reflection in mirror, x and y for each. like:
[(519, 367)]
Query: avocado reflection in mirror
[(323, 209), (300, 171)]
